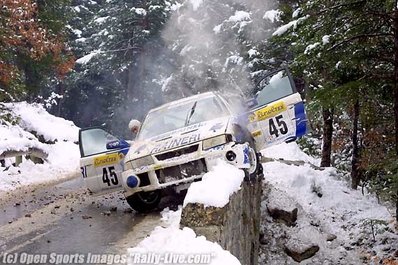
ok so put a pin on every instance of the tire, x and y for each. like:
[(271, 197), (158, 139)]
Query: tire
[(144, 202), (256, 168)]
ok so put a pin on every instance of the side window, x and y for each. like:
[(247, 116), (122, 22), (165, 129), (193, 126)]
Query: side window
[(93, 141), (274, 87)]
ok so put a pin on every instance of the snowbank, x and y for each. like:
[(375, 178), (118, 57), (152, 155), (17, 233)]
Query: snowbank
[(32, 123), (326, 197), (216, 186), (289, 151), (182, 245), (13, 137), (34, 118)]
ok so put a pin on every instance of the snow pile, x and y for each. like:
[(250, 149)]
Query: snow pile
[(289, 152), (13, 137), (86, 58), (33, 122), (216, 186), (35, 118), (239, 16), (272, 15), (170, 243), (355, 219), (284, 28)]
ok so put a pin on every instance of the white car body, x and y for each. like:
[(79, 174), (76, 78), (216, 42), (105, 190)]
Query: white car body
[(181, 148)]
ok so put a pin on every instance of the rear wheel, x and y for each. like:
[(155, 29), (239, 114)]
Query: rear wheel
[(144, 202)]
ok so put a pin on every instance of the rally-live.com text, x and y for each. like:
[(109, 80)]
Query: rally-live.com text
[(108, 259)]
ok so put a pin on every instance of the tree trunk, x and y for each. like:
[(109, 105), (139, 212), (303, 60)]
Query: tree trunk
[(396, 92), (355, 175), (327, 115)]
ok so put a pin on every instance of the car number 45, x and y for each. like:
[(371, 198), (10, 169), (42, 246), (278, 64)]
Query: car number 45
[(109, 176), (277, 126)]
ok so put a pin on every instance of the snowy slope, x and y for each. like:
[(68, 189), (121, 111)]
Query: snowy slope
[(31, 126), (328, 206)]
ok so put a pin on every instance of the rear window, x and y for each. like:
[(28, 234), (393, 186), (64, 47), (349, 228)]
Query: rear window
[(274, 87)]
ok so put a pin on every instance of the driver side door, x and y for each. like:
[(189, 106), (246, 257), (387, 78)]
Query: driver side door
[(102, 160)]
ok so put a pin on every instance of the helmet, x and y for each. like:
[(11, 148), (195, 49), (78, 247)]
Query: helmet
[(134, 124)]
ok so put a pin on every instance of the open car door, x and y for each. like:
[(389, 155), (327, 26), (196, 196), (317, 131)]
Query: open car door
[(101, 161), (277, 112)]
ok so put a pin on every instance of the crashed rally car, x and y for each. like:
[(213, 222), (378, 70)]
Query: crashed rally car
[(180, 141)]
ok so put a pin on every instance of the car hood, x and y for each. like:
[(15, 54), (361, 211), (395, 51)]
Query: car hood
[(178, 138)]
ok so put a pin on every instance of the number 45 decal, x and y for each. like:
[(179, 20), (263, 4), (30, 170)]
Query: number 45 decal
[(279, 128), (109, 177)]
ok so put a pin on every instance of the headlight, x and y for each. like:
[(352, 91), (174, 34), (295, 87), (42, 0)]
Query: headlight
[(143, 161), (215, 141)]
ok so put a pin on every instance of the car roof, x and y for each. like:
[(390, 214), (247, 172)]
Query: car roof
[(188, 99)]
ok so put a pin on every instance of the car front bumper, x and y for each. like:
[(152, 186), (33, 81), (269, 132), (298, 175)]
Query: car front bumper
[(184, 169)]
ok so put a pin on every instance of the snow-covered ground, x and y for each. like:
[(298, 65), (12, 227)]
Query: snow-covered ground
[(172, 245), (31, 126), (363, 227)]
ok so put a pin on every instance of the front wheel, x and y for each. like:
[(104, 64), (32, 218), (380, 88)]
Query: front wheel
[(255, 165), (144, 202)]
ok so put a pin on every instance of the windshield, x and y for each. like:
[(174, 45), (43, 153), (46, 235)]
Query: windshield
[(178, 116)]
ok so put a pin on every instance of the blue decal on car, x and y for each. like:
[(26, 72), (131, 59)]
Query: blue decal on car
[(246, 155), (125, 151), (301, 119)]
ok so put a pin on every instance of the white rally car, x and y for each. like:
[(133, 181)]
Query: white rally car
[(178, 142)]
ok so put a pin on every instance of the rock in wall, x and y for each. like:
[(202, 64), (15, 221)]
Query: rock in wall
[(235, 226)]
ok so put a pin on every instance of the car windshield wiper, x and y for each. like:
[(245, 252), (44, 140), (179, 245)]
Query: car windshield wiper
[(189, 116)]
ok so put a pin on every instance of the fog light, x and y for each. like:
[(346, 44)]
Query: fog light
[(230, 156), (132, 181)]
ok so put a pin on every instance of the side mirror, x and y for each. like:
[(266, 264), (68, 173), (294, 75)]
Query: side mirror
[(250, 103), (117, 144)]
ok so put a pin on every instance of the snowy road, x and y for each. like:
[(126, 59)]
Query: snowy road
[(64, 218)]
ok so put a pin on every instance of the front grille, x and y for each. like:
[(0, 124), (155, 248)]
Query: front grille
[(177, 153), (144, 179), (183, 171)]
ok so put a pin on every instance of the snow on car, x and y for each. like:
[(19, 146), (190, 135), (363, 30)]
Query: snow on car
[(180, 141)]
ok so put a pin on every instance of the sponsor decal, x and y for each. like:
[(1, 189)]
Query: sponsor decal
[(268, 111), (105, 160), (176, 142), (257, 133), (217, 126), (216, 148), (179, 131)]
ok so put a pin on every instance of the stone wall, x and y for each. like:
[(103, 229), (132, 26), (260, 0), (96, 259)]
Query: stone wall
[(235, 227)]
